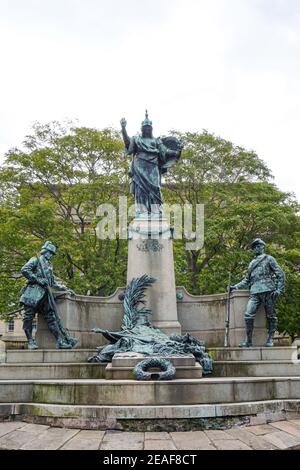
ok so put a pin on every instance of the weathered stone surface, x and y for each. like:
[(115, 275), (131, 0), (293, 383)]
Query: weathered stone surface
[(256, 368), (32, 436), (194, 440), (131, 360), (9, 426), (50, 439), (157, 444), (231, 445), (25, 433), (123, 373), (282, 353), (214, 435), (84, 440), (279, 353), (49, 371), (48, 355), (122, 441), (12, 391), (262, 429), (251, 440), (218, 391), (295, 421), (259, 419), (288, 427), (202, 316), (158, 263), (282, 439), (156, 435)]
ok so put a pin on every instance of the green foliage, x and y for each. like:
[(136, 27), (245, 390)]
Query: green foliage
[(51, 190)]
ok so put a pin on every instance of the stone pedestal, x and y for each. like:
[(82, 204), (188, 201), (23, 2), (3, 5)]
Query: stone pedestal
[(122, 365), (150, 251)]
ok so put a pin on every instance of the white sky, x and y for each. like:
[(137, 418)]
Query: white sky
[(229, 66)]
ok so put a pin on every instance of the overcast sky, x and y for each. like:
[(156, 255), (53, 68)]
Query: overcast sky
[(229, 66)]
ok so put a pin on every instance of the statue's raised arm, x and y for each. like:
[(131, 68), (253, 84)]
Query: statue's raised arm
[(126, 137)]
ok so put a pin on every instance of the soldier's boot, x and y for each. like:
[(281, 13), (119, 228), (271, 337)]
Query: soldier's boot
[(247, 343), (271, 331), (60, 343), (31, 342)]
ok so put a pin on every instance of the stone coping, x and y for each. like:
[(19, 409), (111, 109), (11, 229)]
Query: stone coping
[(261, 411)]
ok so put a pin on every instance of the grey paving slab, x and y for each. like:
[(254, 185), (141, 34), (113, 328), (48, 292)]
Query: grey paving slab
[(85, 440), (122, 441), (216, 434), (282, 439), (295, 421), (194, 440), (156, 435), (9, 426), (255, 442), (159, 444), (51, 439), (34, 428), (288, 427), (233, 444), (16, 439), (261, 429)]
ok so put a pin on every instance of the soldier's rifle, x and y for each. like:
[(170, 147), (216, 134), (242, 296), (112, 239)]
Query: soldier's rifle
[(228, 308), (63, 330)]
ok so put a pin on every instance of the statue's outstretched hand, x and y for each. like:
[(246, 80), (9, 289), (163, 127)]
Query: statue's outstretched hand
[(123, 123), (231, 288), (96, 330)]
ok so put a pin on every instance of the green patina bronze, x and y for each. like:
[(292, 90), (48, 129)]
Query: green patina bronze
[(265, 279), (138, 335), (151, 158), (37, 297)]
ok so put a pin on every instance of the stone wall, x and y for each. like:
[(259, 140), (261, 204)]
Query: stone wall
[(203, 316)]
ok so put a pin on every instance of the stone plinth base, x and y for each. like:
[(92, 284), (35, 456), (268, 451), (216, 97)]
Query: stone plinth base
[(123, 364), (150, 251)]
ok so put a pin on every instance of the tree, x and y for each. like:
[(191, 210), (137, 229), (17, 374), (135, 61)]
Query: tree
[(240, 204), (51, 190)]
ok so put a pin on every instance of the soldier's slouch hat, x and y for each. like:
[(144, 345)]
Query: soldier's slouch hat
[(257, 241), (48, 246)]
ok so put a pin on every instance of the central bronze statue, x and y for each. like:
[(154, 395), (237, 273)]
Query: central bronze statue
[(151, 158)]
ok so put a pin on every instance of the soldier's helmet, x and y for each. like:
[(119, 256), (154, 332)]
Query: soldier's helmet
[(48, 246), (257, 241)]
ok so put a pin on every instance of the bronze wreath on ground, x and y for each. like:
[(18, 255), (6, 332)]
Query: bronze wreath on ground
[(140, 371)]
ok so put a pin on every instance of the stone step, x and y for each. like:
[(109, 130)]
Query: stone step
[(155, 393), (182, 372), (254, 354), (93, 415), (256, 368), (48, 355), (40, 371)]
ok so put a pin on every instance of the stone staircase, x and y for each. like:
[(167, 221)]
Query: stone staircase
[(52, 385)]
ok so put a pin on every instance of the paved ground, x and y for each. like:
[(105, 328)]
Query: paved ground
[(278, 435)]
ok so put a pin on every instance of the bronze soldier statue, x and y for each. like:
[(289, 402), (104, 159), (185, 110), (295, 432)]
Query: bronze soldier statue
[(265, 279), (37, 297)]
